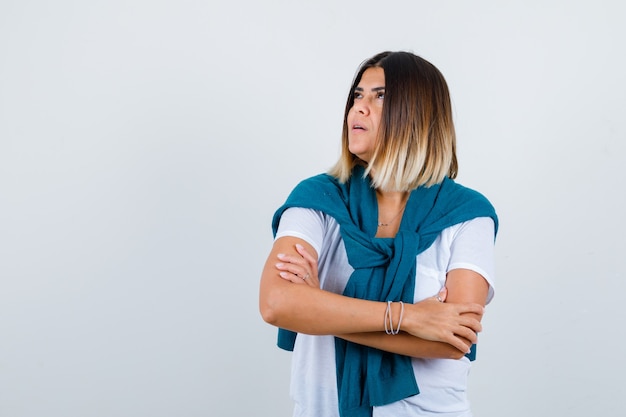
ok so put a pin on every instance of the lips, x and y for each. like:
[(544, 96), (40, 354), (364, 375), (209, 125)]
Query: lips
[(358, 127)]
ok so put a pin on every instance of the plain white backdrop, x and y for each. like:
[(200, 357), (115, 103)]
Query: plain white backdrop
[(144, 146)]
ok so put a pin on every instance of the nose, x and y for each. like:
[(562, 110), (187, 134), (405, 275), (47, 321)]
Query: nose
[(361, 107)]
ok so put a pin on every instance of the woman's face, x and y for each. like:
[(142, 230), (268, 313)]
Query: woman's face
[(364, 116)]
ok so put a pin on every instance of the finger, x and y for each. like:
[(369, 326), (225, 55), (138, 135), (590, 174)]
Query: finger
[(310, 280), (443, 294), (473, 325), (467, 334), (298, 260), (291, 277), (457, 342), (297, 274), (308, 257), (305, 254), (312, 273), (293, 269), (299, 279), (464, 308)]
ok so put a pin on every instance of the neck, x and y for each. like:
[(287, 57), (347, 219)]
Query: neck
[(390, 208), (392, 197)]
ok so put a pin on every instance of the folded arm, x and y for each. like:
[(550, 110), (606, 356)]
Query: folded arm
[(298, 304), (463, 286)]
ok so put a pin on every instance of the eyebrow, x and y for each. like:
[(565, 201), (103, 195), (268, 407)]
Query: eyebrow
[(373, 89)]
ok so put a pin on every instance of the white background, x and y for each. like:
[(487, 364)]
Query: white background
[(144, 146)]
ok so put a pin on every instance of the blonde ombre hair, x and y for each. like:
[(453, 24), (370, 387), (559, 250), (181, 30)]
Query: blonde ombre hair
[(416, 143)]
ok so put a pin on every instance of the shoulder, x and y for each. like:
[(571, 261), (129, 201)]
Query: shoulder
[(304, 223), (464, 199), (318, 185), (466, 233), (300, 214), (478, 226), (321, 192), (459, 192)]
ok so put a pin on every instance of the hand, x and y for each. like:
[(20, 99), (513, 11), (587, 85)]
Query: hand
[(432, 319), (299, 269)]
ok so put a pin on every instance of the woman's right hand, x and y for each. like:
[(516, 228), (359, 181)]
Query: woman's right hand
[(452, 323)]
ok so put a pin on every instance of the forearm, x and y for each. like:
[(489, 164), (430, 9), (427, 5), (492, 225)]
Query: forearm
[(315, 311), (288, 301), (405, 344)]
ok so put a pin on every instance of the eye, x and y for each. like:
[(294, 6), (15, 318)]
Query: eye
[(380, 95), (357, 95)]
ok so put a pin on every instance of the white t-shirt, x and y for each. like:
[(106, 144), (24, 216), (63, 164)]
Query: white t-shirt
[(442, 382)]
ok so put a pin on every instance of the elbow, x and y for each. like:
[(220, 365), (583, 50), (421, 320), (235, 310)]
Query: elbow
[(268, 313), (269, 307)]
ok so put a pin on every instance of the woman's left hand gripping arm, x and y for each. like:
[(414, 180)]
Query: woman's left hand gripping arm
[(299, 270)]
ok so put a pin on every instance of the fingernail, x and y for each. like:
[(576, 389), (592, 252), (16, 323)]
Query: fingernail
[(281, 255), (283, 274), (280, 265), (299, 246)]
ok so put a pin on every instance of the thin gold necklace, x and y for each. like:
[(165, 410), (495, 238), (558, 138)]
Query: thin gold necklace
[(380, 224)]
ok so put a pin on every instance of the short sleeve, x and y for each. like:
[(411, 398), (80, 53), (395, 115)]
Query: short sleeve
[(306, 224), (473, 248)]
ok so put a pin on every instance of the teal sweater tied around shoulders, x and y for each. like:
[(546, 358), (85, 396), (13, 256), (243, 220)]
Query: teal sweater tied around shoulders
[(384, 269)]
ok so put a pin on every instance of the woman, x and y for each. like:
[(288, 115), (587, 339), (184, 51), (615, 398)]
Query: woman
[(380, 269)]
